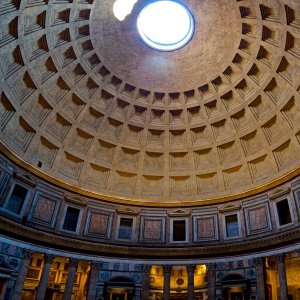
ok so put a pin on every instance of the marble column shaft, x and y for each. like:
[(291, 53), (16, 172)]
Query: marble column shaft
[(41, 289), (282, 277), (260, 277), (73, 263), (146, 282), (19, 285), (191, 270), (167, 278), (94, 275), (211, 281)]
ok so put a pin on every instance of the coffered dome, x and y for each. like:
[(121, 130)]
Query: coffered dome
[(86, 104)]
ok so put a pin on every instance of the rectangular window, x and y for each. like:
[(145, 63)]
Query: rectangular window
[(125, 229), (232, 226), (283, 211), (16, 200), (71, 219), (179, 231)]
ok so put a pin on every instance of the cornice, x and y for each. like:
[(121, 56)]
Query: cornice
[(145, 203)]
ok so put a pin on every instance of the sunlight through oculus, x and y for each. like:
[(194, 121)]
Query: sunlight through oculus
[(165, 25)]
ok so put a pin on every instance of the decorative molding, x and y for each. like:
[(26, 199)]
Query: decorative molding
[(73, 262), (296, 183), (152, 229), (167, 269), (205, 228), (76, 200), (280, 258), (179, 213), (249, 246), (230, 207), (206, 200), (44, 209), (96, 265), (191, 268), (25, 177), (27, 254), (98, 223), (211, 266), (127, 211), (259, 261), (48, 258), (146, 268), (279, 192), (258, 218)]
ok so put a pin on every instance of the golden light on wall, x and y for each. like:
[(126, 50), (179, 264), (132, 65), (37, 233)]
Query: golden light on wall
[(179, 278)]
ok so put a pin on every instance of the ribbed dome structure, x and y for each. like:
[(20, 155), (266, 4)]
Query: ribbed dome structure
[(87, 105)]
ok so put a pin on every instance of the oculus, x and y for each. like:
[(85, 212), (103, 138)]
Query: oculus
[(165, 25)]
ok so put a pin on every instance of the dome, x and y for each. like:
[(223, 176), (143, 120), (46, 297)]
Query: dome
[(134, 172), (86, 104)]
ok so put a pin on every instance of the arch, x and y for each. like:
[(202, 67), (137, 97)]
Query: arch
[(235, 286), (119, 287)]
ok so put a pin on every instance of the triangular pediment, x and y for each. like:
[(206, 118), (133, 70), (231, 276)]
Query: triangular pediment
[(25, 177), (179, 212), (296, 183), (127, 211), (230, 207), (279, 192), (76, 200)]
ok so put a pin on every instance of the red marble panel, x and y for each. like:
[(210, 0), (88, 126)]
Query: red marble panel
[(152, 229), (206, 228), (99, 223), (44, 209)]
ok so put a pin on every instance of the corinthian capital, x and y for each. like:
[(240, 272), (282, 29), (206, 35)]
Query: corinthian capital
[(48, 258), (27, 254)]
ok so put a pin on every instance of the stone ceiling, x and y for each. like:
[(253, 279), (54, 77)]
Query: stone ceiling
[(86, 104)]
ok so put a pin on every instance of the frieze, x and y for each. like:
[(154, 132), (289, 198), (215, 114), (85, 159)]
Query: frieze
[(116, 249)]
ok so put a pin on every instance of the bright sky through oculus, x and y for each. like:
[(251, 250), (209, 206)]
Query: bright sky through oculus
[(165, 25), (122, 8)]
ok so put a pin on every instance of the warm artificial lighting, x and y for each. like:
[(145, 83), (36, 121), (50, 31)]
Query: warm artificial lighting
[(122, 8)]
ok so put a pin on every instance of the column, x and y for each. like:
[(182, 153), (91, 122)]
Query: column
[(41, 289), (146, 282), (73, 263), (190, 271), (282, 277), (211, 281), (260, 277), (94, 275), (26, 255), (167, 278)]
